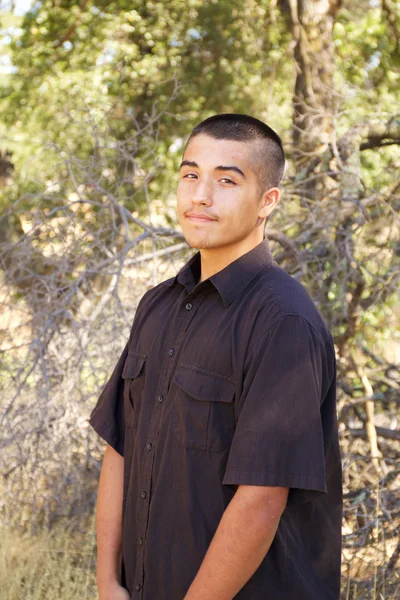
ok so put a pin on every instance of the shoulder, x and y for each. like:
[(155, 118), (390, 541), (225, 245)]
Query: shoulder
[(154, 298), (155, 292), (285, 301)]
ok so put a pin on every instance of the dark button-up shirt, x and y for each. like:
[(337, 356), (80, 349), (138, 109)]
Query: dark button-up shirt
[(226, 382)]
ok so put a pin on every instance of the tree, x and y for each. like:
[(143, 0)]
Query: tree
[(95, 112)]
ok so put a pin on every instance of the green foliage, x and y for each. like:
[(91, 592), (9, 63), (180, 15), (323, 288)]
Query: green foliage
[(96, 101), (72, 58), (368, 60), (75, 60)]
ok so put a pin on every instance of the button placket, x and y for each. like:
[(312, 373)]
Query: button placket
[(145, 495), (185, 317), (191, 307)]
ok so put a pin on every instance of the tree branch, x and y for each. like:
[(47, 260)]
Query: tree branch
[(382, 134)]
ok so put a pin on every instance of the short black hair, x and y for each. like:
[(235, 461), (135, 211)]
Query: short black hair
[(268, 161)]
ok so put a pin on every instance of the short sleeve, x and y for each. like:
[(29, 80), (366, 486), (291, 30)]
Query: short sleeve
[(279, 435), (107, 418)]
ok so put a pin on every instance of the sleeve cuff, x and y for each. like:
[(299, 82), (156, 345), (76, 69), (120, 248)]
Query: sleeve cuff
[(107, 434), (312, 483)]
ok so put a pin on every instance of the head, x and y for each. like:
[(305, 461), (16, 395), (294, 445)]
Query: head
[(230, 172)]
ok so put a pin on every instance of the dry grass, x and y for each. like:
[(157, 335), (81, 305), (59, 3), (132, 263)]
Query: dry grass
[(60, 563), (51, 564), (363, 577)]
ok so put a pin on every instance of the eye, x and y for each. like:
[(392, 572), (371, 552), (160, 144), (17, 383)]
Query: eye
[(228, 180), (188, 175)]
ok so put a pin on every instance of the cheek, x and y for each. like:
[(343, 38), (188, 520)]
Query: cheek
[(184, 192), (179, 191), (181, 195), (240, 210)]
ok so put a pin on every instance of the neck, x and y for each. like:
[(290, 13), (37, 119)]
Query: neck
[(216, 259)]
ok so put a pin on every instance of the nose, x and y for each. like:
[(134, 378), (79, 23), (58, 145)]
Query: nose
[(202, 194)]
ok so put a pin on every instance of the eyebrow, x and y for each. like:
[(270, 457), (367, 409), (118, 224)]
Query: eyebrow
[(191, 163)]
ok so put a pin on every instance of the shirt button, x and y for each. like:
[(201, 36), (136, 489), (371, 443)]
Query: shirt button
[(160, 398), (171, 351), (189, 306), (141, 541), (149, 446), (143, 494), (138, 586)]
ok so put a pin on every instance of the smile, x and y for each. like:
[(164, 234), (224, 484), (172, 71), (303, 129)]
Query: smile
[(201, 220), (198, 218)]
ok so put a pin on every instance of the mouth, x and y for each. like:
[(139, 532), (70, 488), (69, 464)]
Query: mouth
[(199, 218)]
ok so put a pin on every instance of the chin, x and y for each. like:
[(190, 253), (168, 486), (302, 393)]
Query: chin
[(197, 241), (204, 244), (196, 244)]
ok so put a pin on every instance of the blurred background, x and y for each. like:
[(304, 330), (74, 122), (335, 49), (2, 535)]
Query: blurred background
[(97, 99)]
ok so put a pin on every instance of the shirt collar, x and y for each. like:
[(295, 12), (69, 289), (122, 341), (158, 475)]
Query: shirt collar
[(231, 281)]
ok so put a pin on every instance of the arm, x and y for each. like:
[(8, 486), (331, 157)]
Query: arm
[(108, 527), (240, 543)]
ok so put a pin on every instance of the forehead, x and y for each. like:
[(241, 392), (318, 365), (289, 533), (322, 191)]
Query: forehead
[(208, 151)]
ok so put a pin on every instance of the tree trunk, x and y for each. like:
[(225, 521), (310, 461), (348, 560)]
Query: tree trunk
[(311, 23)]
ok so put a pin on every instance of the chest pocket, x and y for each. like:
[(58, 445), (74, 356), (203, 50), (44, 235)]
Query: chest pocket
[(133, 375), (203, 415)]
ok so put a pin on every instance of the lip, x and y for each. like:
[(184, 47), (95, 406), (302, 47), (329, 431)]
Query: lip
[(199, 218)]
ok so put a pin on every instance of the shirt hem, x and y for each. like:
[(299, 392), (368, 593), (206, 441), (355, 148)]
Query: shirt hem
[(315, 483), (107, 434)]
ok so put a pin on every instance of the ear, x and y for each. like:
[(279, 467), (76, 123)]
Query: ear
[(269, 200)]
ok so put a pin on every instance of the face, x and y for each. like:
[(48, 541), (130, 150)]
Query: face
[(219, 203)]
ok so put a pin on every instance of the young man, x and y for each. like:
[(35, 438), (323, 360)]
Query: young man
[(222, 477)]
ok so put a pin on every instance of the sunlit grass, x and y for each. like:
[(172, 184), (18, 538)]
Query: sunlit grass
[(57, 564), (60, 564)]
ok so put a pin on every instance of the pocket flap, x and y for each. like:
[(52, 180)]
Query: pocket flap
[(133, 365), (204, 385)]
